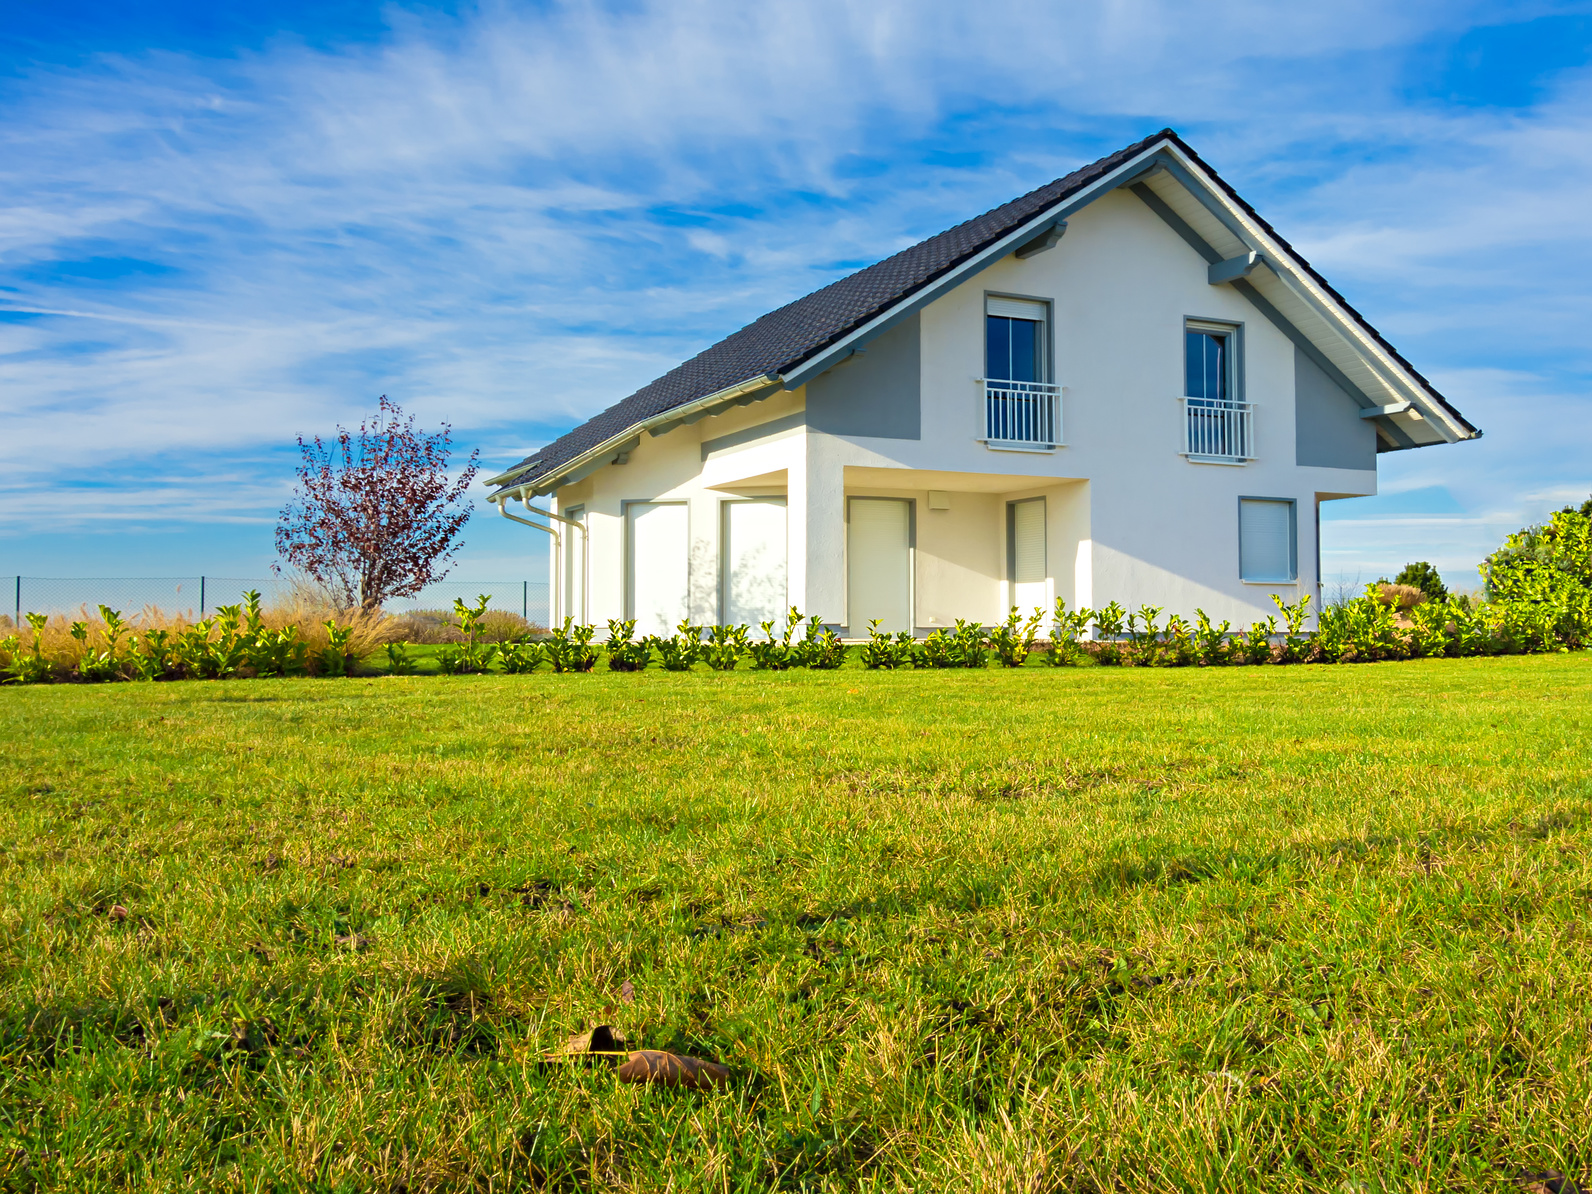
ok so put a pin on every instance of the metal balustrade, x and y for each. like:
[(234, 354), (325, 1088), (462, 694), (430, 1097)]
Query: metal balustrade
[(1215, 430), (1022, 413)]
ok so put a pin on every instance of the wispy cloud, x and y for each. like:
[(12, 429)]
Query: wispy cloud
[(512, 217)]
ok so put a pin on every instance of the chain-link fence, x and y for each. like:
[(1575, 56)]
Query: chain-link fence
[(199, 596)]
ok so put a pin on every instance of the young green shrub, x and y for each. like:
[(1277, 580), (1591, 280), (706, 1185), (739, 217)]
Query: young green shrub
[(474, 657), (1257, 647), (936, 650), (568, 647), (105, 663), (1428, 633), (336, 657), (1066, 634), (213, 648), (1296, 645), (1333, 640), (152, 655), (1144, 636), (625, 654), (771, 654), (886, 651), (680, 650), (520, 657), (29, 667), (1108, 629), (1211, 643), (399, 661), (968, 644), (1470, 632), (1177, 644), (1013, 640), (820, 648), (726, 646), (278, 652)]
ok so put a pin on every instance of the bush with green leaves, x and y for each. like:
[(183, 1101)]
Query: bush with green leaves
[(1013, 640), (568, 647), (886, 651), (521, 656), (26, 667), (677, 652), (820, 647), (725, 647), (1109, 623), (625, 653), (773, 653), (399, 661), (1067, 628), (1212, 644)]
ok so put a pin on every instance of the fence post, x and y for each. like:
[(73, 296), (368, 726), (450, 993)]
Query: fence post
[(201, 598), (525, 600), (19, 604)]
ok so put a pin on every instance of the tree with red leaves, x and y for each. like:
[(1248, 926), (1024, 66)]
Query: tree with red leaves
[(375, 515)]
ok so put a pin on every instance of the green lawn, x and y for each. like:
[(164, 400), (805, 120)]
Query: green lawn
[(1281, 928)]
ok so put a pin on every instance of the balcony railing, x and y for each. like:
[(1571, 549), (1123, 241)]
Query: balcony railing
[(1021, 414), (1219, 431)]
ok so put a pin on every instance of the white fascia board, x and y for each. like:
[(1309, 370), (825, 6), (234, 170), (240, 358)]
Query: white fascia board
[(1243, 234), (1013, 240), (613, 443)]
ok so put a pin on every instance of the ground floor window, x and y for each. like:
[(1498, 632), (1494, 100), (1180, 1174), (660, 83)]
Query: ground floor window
[(1025, 554), (753, 563), (878, 564), (657, 565), (1267, 540)]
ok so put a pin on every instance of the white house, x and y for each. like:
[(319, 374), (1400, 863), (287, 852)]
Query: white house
[(1124, 386)]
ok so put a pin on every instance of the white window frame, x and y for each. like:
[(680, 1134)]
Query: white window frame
[(1238, 408)]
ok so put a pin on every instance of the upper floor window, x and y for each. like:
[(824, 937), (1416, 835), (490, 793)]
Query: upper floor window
[(1207, 361), (1014, 339)]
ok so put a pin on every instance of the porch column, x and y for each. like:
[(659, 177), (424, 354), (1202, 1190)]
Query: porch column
[(823, 549)]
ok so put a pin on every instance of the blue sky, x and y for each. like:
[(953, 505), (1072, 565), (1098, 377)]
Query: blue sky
[(224, 225)]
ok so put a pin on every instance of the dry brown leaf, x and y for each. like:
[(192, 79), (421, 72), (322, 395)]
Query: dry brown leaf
[(672, 1069), (627, 991), (600, 1040), (118, 912)]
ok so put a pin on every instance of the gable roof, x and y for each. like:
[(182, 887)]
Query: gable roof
[(774, 349)]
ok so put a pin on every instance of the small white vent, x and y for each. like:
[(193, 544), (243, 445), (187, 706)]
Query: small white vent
[(1015, 308)]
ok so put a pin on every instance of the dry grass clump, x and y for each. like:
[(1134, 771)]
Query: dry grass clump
[(1400, 597), (431, 626)]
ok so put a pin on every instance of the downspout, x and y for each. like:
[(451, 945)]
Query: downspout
[(556, 602)]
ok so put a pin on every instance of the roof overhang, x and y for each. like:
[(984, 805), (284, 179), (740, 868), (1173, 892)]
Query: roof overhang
[(613, 449), (1244, 253)]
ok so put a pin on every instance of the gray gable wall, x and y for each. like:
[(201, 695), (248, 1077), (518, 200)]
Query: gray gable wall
[(875, 393), (1328, 429)]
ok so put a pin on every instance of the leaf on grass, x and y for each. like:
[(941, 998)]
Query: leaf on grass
[(600, 1041), (658, 1068), (117, 912), (353, 941), (627, 991)]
